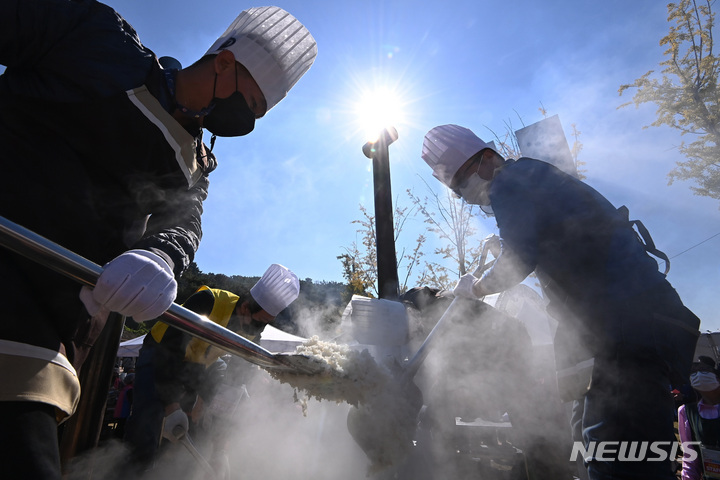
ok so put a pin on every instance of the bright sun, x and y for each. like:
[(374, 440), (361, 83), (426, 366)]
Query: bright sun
[(378, 109)]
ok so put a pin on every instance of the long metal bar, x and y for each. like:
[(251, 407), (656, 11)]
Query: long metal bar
[(38, 248), (414, 364)]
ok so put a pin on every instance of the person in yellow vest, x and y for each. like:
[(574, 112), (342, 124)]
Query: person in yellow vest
[(177, 373)]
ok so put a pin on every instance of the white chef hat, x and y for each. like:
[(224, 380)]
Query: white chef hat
[(273, 45), (447, 147), (276, 289)]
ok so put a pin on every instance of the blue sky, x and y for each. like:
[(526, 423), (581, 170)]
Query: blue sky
[(288, 192)]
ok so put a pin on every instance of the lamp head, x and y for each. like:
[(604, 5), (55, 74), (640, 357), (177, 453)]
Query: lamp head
[(386, 137)]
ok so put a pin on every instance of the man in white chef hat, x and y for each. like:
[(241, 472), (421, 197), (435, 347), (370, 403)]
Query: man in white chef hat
[(246, 72), (114, 92), (603, 287), (177, 373)]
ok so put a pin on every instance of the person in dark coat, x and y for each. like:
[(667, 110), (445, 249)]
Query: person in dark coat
[(123, 406), (104, 154), (620, 321)]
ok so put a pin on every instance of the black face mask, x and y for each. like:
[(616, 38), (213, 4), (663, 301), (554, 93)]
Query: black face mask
[(249, 330), (253, 328), (229, 117)]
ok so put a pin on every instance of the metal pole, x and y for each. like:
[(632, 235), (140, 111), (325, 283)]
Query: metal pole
[(82, 431), (388, 284), (35, 247)]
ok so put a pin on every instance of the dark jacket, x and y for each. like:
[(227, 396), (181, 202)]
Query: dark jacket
[(92, 159), (562, 227), (590, 263)]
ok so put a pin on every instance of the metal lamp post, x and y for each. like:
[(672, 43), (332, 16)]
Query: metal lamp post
[(377, 151)]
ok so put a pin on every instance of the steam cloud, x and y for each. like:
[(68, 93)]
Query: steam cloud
[(483, 367)]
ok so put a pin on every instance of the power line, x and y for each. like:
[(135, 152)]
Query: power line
[(697, 245)]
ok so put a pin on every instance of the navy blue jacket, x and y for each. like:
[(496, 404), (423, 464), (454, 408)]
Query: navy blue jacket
[(92, 158), (568, 232), (590, 263)]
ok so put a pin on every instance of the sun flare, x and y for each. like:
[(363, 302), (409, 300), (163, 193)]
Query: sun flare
[(377, 110)]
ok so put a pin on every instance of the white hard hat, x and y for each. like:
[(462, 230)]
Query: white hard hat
[(276, 289), (273, 45), (447, 147)]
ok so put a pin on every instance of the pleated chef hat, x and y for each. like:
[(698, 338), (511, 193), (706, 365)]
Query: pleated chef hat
[(273, 45), (276, 289), (447, 147)]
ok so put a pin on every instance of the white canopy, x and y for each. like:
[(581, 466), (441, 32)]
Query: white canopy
[(130, 348), (707, 345), (272, 339), (276, 340)]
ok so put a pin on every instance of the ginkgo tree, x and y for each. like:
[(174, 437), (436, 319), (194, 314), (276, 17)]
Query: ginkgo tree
[(686, 93)]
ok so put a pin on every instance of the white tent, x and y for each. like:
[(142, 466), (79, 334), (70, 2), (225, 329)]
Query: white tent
[(708, 345), (130, 348), (272, 339), (275, 340)]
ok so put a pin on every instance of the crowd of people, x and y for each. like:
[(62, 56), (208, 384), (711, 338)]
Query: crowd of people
[(78, 80)]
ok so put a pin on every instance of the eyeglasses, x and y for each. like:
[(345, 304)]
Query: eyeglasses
[(463, 175)]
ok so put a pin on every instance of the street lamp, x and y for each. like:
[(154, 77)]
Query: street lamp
[(377, 151)]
